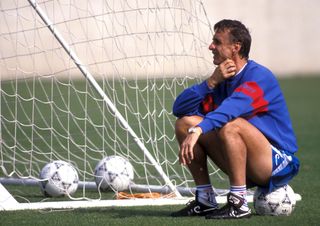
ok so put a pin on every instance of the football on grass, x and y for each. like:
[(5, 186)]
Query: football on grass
[(279, 202), (113, 172), (58, 178)]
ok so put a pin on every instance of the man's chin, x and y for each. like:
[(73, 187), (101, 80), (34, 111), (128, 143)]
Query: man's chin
[(216, 62)]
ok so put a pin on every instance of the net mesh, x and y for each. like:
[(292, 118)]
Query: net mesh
[(141, 53)]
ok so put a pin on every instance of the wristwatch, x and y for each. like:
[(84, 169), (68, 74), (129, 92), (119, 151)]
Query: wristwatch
[(194, 130)]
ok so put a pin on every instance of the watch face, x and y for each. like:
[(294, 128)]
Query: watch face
[(194, 130)]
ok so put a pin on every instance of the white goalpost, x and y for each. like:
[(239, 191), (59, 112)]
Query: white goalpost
[(81, 80)]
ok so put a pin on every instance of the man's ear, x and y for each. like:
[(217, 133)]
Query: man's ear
[(236, 47)]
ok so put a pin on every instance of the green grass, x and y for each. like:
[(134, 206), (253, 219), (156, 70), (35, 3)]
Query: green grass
[(302, 96)]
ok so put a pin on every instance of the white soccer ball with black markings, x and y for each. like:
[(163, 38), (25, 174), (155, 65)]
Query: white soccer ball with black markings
[(280, 202), (113, 172), (58, 178)]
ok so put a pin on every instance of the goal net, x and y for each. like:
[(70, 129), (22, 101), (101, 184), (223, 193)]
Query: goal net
[(81, 80)]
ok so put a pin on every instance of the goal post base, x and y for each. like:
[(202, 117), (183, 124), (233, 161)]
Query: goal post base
[(92, 204), (8, 203), (15, 206)]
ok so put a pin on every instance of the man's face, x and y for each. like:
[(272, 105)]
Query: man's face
[(221, 47)]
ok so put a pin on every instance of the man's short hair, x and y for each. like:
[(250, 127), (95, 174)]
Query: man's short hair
[(238, 33)]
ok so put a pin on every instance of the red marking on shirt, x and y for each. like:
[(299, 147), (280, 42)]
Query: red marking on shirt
[(208, 104), (253, 90)]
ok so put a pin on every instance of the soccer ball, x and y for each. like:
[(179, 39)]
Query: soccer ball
[(58, 178), (277, 203), (113, 172)]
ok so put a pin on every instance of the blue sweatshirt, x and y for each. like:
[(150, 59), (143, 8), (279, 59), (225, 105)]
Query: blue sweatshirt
[(253, 94)]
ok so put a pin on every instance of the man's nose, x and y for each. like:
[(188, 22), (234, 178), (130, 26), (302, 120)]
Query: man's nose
[(212, 46)]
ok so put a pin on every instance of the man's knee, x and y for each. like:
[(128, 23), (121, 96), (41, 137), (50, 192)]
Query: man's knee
[(233, 127), (184, 123)]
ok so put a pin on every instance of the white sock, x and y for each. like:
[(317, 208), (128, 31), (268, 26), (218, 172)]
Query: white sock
[(206, 195), (242, 192)]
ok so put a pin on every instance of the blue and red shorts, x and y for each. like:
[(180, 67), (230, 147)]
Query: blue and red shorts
[(284, 167)]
